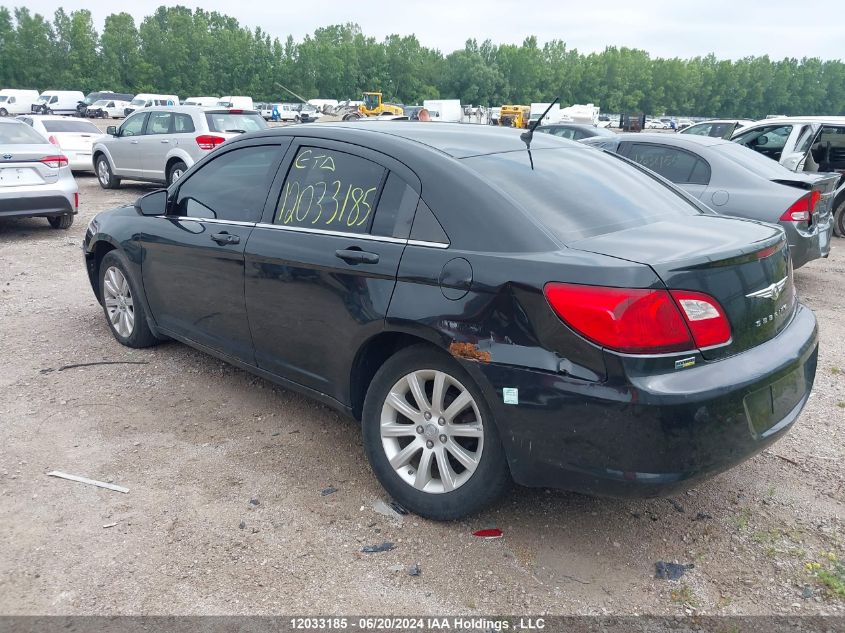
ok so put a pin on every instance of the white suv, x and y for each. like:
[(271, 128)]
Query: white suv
[(159, 144)]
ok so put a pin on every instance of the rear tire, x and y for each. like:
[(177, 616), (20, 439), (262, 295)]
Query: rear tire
[(61, 221), (175, 172), (839, 219), (105, 176), (462, 442), (122, 305)]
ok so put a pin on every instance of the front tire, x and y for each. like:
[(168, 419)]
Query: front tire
[(4, 112), (175, 172), (105, 176), (61, 221), (430, 437), (122, 303)]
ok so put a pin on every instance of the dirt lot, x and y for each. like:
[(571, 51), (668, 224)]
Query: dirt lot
[(225, 471)]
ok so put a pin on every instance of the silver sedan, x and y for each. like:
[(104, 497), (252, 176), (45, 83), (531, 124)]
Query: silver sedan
[(734, 180), (35, 179)]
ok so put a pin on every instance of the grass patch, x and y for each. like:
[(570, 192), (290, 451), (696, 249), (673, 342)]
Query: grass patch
[(835, 371), (830, 575), (741, 519), (682, 594), (841, 404)]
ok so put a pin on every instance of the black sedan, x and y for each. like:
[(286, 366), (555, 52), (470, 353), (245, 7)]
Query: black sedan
[(560, 318)]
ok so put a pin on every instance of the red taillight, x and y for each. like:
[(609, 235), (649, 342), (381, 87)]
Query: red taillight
[(55, 161), (76, 200), (704, 316), (209, 141), (52, 140), (639, 320), (803, 208)]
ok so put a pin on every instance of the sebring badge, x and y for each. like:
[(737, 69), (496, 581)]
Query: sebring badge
[(770, 292)]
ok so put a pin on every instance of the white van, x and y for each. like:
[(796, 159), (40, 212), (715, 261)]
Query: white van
[(204, 102), (239, 103), (148, 100), (447, 110), (57, 102), (16, 101)]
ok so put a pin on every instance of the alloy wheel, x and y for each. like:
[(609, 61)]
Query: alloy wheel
[(431, 431), (176, 174), (118, 300), (103, 172)]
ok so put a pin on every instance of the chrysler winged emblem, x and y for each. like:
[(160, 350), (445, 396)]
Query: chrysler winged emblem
[(770, 292)]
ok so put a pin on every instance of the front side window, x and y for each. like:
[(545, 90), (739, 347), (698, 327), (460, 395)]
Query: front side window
[(330, 190), (159, 123), (766, 139), (673, 164), (233, 186), (134, 125)]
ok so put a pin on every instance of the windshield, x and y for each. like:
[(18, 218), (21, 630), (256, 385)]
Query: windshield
[(581, 192), (43, 99), (101, 102), (69, 125), (19, 134), (371, 101), (3, 98), (231, 122), (138, 102)]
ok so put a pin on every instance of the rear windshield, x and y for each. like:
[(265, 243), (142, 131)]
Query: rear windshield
[(581, 192), (231, 122), (753, 161), (69, 125), (19, 134)]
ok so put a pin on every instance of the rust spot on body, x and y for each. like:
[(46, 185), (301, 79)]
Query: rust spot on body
[(468, 351)]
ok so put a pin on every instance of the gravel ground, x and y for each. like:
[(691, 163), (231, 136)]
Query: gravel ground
[(225, 513)]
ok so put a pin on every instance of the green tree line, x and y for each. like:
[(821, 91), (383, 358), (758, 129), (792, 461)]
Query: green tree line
[(196, 52)]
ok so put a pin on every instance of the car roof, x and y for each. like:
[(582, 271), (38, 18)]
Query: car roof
[(838, 120), (673, 139), (189, 109), (459, 140), (570, 124)]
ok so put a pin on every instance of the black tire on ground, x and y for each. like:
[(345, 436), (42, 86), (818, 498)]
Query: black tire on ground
[(61, 221), (140, 335), (105, 176), (839, 219), (177, 167), (492, 475)]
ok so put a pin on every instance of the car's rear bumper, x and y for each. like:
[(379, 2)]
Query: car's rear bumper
[(805, 246), (19, 202), (649, 435)]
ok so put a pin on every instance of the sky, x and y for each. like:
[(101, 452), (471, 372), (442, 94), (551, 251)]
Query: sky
[(730, 29)]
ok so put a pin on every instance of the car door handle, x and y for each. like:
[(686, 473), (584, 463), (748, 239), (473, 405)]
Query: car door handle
[(225, 238), (164, 140), (355, 255), (134, 142)]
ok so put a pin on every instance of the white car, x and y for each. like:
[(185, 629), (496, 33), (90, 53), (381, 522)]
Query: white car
[(655, 124), (203, 102), (57, 102), (107, 109), (75, 137)]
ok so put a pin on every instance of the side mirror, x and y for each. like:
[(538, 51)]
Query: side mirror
[(111, 130), (153, 203)]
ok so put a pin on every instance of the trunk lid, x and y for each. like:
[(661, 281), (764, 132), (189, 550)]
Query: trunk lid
[(75, 142), (21, 165), (743, 264)]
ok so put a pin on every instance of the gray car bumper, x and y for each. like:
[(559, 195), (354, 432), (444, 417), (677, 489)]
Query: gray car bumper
[(42, 201), (805, 246)]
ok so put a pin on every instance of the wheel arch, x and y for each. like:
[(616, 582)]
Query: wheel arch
[(177, 156), (371, 356), (96, 252)]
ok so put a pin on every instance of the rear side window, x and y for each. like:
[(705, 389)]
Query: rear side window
[(233, 186), (395, 210), (673, 164), (329, 190), (159, 123), (233, 122), (578, 192), (81, 127), (182, 123)]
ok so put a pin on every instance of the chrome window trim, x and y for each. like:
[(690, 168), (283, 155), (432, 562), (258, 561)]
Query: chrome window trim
[(210, 220), (427, 244)]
